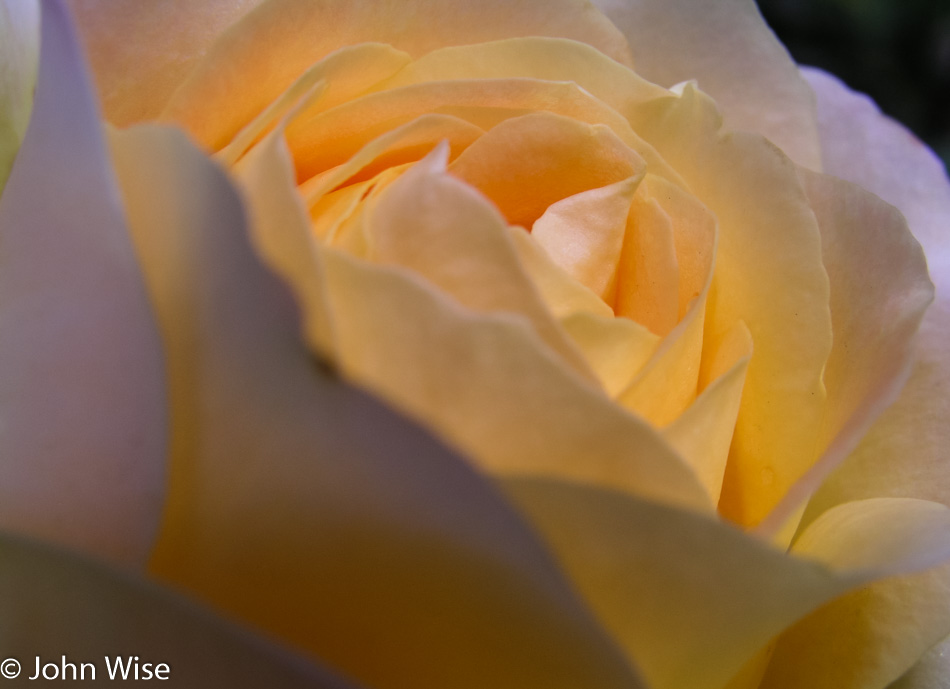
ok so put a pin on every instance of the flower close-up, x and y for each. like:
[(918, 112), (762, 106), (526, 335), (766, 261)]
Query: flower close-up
[(509, 344)]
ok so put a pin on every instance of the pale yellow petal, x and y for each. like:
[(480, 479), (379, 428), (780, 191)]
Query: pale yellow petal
[(303, 507), (141, 51), (535, 57), (584, 234), (55, 603), (83, 403), (19, 56), (703, 433), (617, 349), (728, 49), (768, 274), (870, 637), (488, 385), (694, 600), (232, 83)]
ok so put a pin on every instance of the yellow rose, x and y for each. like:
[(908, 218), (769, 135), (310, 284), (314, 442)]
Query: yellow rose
[(625, 349)]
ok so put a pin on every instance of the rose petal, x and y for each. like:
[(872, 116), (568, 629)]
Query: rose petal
[(584, 233), (904, 454), (440, 228), (879, 291), (54, 603), (306, 508), (83, 394), (331, 138), (141, 51), (728, 49), (703, 433), (870, 637), (691, 599), (232, 84), (19, 54), (930, 672), (768, 274), (488, 385)]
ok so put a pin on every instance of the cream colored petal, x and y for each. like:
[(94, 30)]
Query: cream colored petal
[(870, 637), (487, 384), (584, 233), (905, 452), (726, 47), (234, 84), (83, 436), (19, 56), (692, 599), (55, 604), (304, 507), (141, 51), (534, 57), (703, 433), (879, 291), (563, 294), (769, 274), (329, 139), (930, 672), (527, 163), (443, 230)]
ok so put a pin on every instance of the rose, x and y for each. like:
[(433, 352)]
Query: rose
[(387, 547)]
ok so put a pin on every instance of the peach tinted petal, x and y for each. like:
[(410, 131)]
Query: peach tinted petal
[(83, 395), (768, 274), (141, 51), (19, 54), (584, 233), (335, 79), (303, 506), (53, 603), (904, 453), (295, 35), (728, 49), (443, 230), (527, 163), (563, 294)]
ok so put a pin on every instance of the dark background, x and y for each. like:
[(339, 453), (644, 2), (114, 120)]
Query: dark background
[(896, 51)]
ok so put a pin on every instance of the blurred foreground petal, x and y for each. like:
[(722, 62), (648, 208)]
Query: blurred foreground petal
[(305, 507), (53, 603), (82, 395)]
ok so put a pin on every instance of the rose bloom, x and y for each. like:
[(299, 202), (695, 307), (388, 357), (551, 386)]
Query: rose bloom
[(446, 343)]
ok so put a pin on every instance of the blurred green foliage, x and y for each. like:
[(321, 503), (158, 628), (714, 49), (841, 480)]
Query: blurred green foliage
[(896, 51)]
